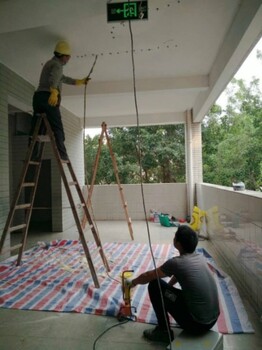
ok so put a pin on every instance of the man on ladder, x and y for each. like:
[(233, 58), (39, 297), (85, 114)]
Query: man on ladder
[(29, 180), (47, 97), (47, 120)]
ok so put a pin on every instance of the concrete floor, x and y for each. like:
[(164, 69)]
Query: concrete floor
[(31, 330)]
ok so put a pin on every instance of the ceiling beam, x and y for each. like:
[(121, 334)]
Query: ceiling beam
[(238, 43), (131, 120), (189, 83)]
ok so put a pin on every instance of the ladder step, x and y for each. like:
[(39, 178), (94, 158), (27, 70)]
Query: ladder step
[(16, 228), (10, 249), (96, 250), (23, 206), (28, 184), (72, 183), (43, 138), (14, 247), (34, 162)]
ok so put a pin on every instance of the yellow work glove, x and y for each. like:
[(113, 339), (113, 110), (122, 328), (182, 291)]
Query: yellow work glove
[(83, 81), (53, 98)]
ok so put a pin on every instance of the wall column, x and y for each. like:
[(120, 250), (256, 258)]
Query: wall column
[(194, 165)]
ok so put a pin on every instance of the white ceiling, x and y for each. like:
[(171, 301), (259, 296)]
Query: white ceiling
[(184, 54)]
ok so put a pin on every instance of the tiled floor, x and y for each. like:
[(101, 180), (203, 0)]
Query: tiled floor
[(31, 330)]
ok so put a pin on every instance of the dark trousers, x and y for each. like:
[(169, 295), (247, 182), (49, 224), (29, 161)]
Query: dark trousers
[(175, 306), (40, 105)]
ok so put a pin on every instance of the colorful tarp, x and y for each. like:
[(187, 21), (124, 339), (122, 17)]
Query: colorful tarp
[(55, 277)]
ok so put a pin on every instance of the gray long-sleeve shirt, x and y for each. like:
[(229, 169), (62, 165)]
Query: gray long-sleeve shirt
[(52, 76)]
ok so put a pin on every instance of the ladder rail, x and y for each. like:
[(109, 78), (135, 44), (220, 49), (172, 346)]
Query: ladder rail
[(29, 210), (88, 216), (19, 187), (73, 207), (95, 167), (120, 187), (31, 184), (90, 189)]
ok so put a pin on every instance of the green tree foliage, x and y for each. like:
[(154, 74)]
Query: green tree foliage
[(232, 138), (232, 146), (159, 150)]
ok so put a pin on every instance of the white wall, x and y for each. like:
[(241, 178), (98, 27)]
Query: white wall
[(13, 88), (165, 198), (74, 146)]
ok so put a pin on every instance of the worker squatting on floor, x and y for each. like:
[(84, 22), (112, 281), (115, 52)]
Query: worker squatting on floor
[(195, 307)]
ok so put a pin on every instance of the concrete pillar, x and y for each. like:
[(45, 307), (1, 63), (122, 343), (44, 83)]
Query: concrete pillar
[(194, 167)]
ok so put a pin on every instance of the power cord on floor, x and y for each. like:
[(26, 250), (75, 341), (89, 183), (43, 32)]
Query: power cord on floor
[(108, 329)]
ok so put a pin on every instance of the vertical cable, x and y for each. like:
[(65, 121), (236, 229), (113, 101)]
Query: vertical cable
[(140, 173), (84, 127)]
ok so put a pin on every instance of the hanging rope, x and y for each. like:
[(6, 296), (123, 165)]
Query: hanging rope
[(84, 127), (88, 76)]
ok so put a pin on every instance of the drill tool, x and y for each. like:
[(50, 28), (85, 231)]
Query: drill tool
[(126, 310)]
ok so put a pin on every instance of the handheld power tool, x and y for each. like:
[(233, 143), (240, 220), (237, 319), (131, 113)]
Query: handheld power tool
[(126, 310)]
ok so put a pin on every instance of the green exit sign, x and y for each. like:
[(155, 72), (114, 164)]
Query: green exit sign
[(123, 11)]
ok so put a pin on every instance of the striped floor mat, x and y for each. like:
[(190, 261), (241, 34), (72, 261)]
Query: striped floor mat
[(55, 277)]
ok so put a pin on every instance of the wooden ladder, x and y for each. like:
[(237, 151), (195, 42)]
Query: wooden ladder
[(91, 187), (29, 179)]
